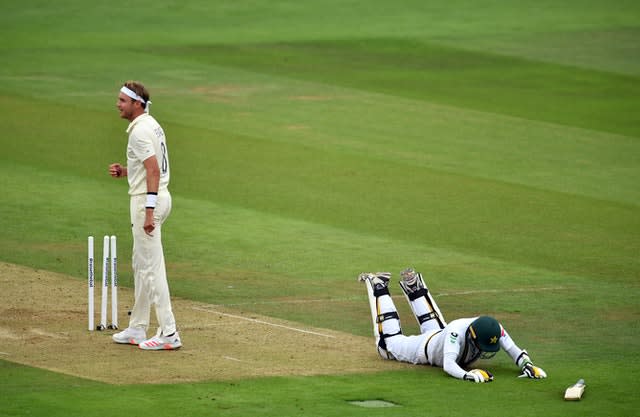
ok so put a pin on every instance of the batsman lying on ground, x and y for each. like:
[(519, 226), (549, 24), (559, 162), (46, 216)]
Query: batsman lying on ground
[(454, 346)]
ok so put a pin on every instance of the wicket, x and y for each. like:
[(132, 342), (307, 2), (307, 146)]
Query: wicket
[(109, 263)]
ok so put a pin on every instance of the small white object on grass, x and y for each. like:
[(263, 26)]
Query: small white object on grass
[(574, 392)]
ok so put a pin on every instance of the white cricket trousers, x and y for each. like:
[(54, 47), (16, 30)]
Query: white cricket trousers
[(149, 271), (402, 348)]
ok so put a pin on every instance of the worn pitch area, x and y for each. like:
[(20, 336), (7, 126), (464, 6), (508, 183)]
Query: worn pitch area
[(43, 320)]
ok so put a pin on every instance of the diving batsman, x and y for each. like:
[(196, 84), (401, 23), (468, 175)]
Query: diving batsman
[(454, 346)]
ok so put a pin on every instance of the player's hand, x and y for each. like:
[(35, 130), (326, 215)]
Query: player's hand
[(115, 170), (149, 224), (478, 376), (529, 370)]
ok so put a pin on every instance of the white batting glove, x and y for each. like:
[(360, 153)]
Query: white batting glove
[(478, 376), (531, 371)]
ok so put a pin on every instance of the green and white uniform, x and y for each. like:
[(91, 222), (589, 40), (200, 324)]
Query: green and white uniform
[(439, 344)]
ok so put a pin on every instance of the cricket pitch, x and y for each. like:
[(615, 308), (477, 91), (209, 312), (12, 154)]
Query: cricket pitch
[(44, 322)]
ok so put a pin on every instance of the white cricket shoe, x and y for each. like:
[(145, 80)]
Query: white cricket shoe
[(161, 342), (378, 280), (130, 336), (411, 281)]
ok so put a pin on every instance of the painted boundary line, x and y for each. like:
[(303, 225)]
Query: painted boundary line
[(263, 322)]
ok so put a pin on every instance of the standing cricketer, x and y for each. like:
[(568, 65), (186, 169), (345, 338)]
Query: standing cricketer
[(454, 346), (147, 171)]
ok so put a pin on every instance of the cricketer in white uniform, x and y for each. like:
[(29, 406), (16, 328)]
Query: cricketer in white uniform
[(148, 174), (454, 346)]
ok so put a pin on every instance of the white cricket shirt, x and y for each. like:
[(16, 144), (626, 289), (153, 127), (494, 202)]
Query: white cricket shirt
[(146, 139)]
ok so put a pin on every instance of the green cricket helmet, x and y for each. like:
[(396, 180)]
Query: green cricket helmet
[(485, 332)]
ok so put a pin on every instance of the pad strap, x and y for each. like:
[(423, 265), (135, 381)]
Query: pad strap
[(384, 317), (422, 292), (426, 317), (387, 316), (377, 292)]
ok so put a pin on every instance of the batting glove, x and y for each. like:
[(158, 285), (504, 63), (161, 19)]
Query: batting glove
[(478, 376), (531, 371)]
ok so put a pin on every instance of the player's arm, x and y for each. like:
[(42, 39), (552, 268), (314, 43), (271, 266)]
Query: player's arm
[(521, 358), (453, 347), (450, 366), (475, 375), (153, 183), (116, 170)]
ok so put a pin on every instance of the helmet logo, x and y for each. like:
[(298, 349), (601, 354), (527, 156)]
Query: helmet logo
[(493, 340), (473, 332)]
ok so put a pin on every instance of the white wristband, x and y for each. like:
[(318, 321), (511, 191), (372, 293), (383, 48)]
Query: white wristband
[(152, 199)]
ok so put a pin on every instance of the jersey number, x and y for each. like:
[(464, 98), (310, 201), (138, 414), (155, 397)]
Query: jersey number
[(164, 165)]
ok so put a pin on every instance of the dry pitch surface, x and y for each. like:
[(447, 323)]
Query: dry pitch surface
[(43, 320)]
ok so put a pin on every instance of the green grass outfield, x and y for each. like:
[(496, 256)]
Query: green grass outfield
[(495, 146)]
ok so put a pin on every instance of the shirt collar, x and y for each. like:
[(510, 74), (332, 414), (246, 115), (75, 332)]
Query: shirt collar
[(135, 121)]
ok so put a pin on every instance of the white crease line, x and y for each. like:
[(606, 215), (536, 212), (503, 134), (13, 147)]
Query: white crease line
[(199, 326), (263, 322), (444, 294), (357, 298), (4, 353), (47, 334), (232, 359), (293, 301)]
